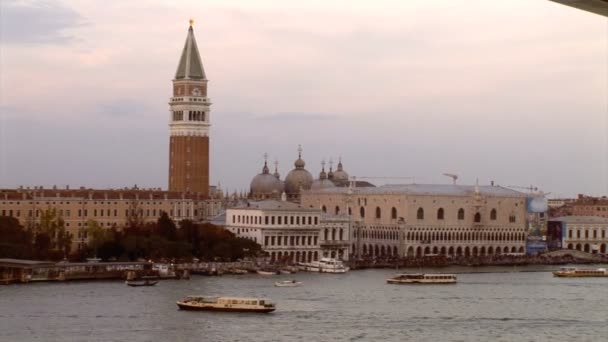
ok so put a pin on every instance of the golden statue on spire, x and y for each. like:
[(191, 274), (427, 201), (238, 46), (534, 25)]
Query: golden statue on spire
[(191, 21)]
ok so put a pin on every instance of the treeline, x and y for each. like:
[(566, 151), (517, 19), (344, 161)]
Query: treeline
[(162, 239)]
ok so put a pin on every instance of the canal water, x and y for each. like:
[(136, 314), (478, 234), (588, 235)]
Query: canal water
[(492, 305)]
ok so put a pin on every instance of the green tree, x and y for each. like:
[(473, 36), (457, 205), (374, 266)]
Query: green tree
[(96, 235), (166, 228)]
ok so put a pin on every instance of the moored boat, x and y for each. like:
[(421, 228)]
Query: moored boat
[(422, 278), (287, 283), (580, 272), (261, 272), (147, 282), (226, 304), (324, 265)]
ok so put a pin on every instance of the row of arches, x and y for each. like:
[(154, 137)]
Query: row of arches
[(587, 233), (293, 257), (587, 247), (429, 236), (420, 214), (419, 251), (333, 234)]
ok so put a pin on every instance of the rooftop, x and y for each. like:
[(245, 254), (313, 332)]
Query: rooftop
[(430, 189), (580, 219), (273, 205)]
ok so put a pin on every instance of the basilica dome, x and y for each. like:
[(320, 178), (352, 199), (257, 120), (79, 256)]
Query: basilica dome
[(298, 178), (266, 185), (340, 175), (322, 182)]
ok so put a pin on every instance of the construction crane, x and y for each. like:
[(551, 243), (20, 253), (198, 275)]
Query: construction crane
[(453, 176)]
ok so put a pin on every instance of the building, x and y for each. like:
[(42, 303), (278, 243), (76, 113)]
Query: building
[(428, 219), (189, 123), (289, 232), (115, 208), (590, 206), (583, 233), (594, 6)]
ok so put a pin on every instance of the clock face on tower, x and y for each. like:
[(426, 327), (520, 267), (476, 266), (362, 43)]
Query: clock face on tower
[(196, 92)]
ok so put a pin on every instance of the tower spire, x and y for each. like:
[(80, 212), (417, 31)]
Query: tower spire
[(190, 65)]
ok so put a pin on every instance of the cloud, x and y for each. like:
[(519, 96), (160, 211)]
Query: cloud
[(35, 22)]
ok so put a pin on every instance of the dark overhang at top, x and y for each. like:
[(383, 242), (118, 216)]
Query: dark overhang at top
[(595, 6)]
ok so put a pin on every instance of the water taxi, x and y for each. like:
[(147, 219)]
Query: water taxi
[(580, 272), (325, 265), (226, 304), (422, 278), (287, 283)]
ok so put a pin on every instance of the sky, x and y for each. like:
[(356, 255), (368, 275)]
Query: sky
[(514, 92)]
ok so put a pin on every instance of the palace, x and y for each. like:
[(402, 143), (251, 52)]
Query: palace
[(428, 219)]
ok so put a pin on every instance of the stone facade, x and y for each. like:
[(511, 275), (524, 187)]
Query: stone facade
[(584, 233), (418, 220)]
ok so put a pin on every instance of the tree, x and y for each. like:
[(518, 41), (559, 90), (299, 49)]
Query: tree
[(166, 228), (96, 235)]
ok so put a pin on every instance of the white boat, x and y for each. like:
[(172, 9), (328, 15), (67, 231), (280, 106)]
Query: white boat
[(325, 265), (285, 272), (287, 283), (422, 278), (580, 272), (229, 304), (260, 272)]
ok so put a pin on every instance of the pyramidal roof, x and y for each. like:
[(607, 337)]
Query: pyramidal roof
[(190, 64)]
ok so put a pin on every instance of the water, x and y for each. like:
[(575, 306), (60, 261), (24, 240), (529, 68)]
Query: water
[(357, 306)]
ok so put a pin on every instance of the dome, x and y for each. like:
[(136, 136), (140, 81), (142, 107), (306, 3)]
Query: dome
[(298, 178), (322, 184), (340, 175), (265, 185)]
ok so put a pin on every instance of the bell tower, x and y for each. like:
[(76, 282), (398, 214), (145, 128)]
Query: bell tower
[(189, 123)]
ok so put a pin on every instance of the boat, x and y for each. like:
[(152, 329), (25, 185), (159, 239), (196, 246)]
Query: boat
[(287, 283), (260, 272), (580, 272), (325, 265), (285, 272), (226, 304), (422, 278), (146, 282), (239, 271)]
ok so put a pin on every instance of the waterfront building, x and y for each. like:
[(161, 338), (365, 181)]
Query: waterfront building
[(289, 232), (590, 206), (428, 219), (583, 233), (189, 123), (113, 208)]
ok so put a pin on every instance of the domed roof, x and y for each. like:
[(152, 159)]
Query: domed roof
[(298, 177), (265, 185), (322, 182), (340, 174)]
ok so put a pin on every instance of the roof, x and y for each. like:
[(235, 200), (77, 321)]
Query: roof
[(580, 219), (273, 205), (190, 64), (430, 189)]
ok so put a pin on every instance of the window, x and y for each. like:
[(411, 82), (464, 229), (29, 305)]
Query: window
[(477, 217), (440, 214), (461, 214), (493, 215), (394, 213), (337, 211), (362, 212), (512, 219), (324, 209), (378, 213), (420, 214)]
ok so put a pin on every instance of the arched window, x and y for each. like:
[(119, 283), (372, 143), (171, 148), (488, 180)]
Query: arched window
[(461, 214), (337, 210), (493, 215), (324, 209), (394, 213), (440, 214), (477, 217), (362, 212), (420, 214), (512, 219), (378, 213)]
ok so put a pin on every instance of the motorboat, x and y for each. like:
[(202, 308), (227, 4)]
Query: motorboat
[(226, 304), (580, 272), (324, 265), (422, 278), (287, 283)]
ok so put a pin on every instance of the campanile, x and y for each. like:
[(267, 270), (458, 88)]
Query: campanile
[(189, 123)]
